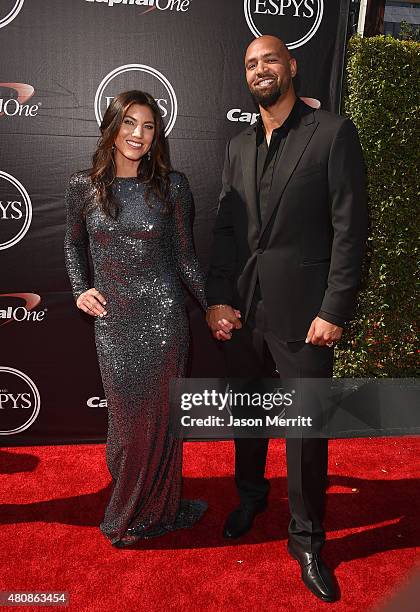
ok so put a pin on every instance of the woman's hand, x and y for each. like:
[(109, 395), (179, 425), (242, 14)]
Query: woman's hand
[(92, 302)]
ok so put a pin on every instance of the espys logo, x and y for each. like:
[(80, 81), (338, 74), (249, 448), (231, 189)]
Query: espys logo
[(20, 401), (138, 76), (9, 10), (160, 5), (13, 98), (294, 21), (12, 309), (15, 210)]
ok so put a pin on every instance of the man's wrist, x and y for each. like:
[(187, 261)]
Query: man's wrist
[(333, 319), (216, 306)]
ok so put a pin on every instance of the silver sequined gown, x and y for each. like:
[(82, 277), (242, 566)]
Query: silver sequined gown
[(139, 261)]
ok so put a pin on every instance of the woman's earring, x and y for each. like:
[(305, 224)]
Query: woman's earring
[(113, 147), (149, 156)]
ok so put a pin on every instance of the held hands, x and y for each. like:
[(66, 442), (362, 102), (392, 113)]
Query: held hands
[(222, 319), (92, 302), (323, 333)]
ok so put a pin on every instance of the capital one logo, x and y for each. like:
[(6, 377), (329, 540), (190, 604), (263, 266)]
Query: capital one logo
[(294, 21), (161, 5), (9, 9), (96, 402), (12, 309), (15, 210), (20, 401), (236, 115), (13, 98), (145, 78)]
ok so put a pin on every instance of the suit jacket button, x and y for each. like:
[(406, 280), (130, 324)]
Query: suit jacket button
[(259, 251)]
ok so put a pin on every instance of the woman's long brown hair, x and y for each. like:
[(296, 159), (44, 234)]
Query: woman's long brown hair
[(154, 171)]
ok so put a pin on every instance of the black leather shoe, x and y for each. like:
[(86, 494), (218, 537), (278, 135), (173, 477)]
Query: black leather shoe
[(315, 574), (240, 521)]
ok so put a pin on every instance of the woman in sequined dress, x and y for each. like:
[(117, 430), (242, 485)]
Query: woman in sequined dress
[(134, 214)]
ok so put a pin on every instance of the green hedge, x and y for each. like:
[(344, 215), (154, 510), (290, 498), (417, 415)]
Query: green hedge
[(382, 98)]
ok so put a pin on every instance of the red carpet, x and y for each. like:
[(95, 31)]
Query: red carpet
[(53, 498)]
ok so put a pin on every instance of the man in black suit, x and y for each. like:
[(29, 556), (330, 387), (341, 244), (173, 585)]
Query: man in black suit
[(288, 246)]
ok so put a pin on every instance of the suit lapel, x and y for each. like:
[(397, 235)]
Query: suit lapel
[(249, 162), (296, 142)]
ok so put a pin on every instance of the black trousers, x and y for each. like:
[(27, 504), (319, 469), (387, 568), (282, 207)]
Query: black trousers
[(255, 351)]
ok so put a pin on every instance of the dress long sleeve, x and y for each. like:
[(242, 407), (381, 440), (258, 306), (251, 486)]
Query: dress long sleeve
[(183, 248), (222, 277), (76, 239)]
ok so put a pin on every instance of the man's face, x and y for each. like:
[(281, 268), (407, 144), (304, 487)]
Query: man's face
[(269, 70)]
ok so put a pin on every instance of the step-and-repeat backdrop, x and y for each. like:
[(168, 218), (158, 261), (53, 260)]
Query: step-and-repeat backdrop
[(62, 63)]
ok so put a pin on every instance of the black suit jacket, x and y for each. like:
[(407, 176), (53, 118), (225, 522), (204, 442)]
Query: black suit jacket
[(307, 253)]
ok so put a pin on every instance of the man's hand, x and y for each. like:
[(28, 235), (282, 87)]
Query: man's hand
[(323, 333), (92, 302), (222, 320)]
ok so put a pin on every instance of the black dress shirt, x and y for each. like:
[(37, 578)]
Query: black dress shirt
[(268, 156)]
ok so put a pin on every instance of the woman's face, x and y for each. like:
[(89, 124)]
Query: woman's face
[(136, 133)]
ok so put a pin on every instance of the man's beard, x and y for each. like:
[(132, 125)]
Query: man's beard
[(268, 97)]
